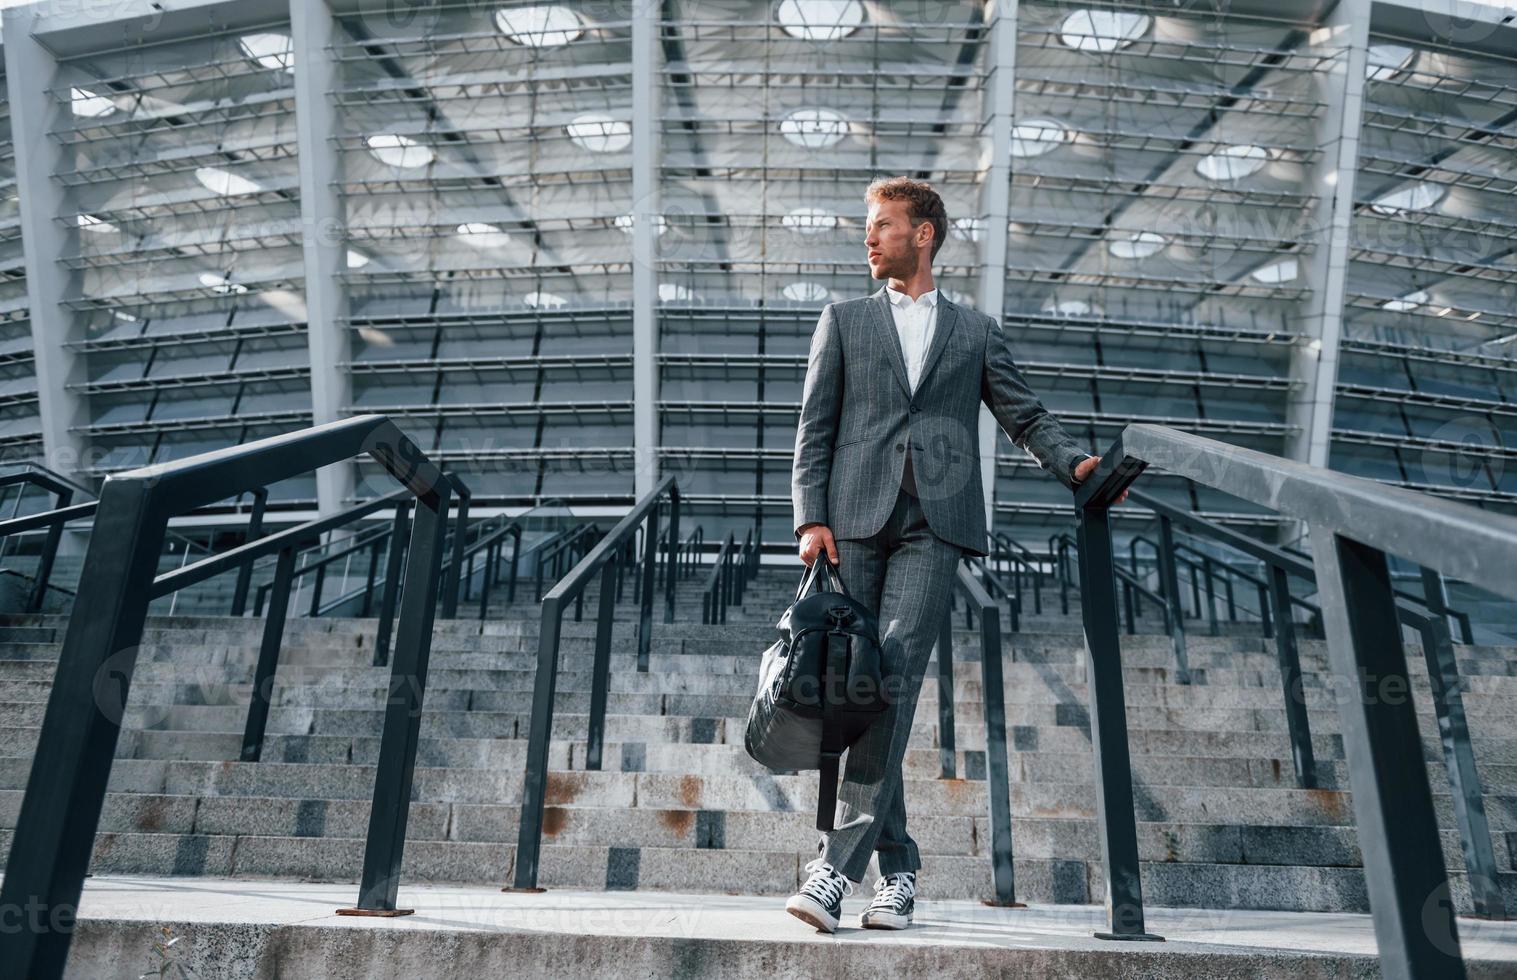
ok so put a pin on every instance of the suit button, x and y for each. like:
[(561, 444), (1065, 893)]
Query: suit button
[(900, 447), (916, 408)]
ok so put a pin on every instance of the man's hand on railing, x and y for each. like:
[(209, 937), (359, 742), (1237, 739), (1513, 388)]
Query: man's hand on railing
[(1087, 466), (814, 538)]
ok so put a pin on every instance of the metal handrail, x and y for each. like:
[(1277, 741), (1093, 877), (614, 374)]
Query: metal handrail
[(604, 558), (76, 746), (1353, 523)]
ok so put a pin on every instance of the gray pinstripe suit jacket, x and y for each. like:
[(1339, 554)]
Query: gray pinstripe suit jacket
[(858, 416)]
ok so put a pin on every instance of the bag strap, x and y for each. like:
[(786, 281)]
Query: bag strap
[(833, 677), (820, 565)]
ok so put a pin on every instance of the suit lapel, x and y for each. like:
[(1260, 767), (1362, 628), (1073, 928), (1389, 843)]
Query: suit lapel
[(885, 325), (948, 315)]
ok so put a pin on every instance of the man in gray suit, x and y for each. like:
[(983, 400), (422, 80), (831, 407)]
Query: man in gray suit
[(886, 481)]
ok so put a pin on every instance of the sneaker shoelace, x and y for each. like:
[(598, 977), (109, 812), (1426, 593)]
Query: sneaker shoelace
[(893, 890), (826, 884)]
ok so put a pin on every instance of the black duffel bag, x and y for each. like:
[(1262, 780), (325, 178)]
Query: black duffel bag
[(821, 685)]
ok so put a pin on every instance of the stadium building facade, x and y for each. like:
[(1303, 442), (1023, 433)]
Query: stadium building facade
[(570, 247)]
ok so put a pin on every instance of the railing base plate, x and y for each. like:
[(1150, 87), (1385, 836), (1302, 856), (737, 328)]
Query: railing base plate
[(997, 904), (1131, 937), (381, 913), (525, 891)]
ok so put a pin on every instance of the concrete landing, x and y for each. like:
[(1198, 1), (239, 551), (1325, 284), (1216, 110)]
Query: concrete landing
[(245, 928)]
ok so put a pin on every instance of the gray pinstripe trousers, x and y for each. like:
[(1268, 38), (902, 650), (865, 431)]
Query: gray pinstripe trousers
[(904, 573)]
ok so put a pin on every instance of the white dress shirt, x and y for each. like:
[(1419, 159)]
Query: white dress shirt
[(915, 321)]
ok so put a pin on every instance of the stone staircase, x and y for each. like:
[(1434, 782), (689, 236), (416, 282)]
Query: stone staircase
[(678, 804)]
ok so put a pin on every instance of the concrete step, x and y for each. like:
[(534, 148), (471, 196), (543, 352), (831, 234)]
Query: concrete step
[(754, 872), (241, 929)]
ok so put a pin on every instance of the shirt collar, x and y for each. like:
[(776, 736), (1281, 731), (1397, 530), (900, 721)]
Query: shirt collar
[(901, 299)]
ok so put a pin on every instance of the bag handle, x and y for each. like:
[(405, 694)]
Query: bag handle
[(820, 563)]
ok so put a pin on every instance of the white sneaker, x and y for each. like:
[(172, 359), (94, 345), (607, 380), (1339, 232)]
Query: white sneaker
[(894, 901), (820, 900)]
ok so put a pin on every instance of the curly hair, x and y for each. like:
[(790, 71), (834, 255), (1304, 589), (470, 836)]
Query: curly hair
[(923, 204)]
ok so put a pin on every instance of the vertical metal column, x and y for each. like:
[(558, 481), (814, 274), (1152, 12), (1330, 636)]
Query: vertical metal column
[(30, 70), (995, 204), (325, 239), (646, 212), (1314, 359)]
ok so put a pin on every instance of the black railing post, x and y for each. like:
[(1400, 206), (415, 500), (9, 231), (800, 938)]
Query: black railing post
[(1211, 596), (268, 657), (645, 603), (1171, 588), (1393, 805), (51, 845), (456, 566), (946, 744), (392, 583), (1458, 753), (535, 774), (600, 680), (1296, 722), (669, 585), (391, 808), (997, 772), (515, 561), (62, 498), (255, 531), (368, 589), (485, 578), (1266, 621), (316, 590), (1108, 728)]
